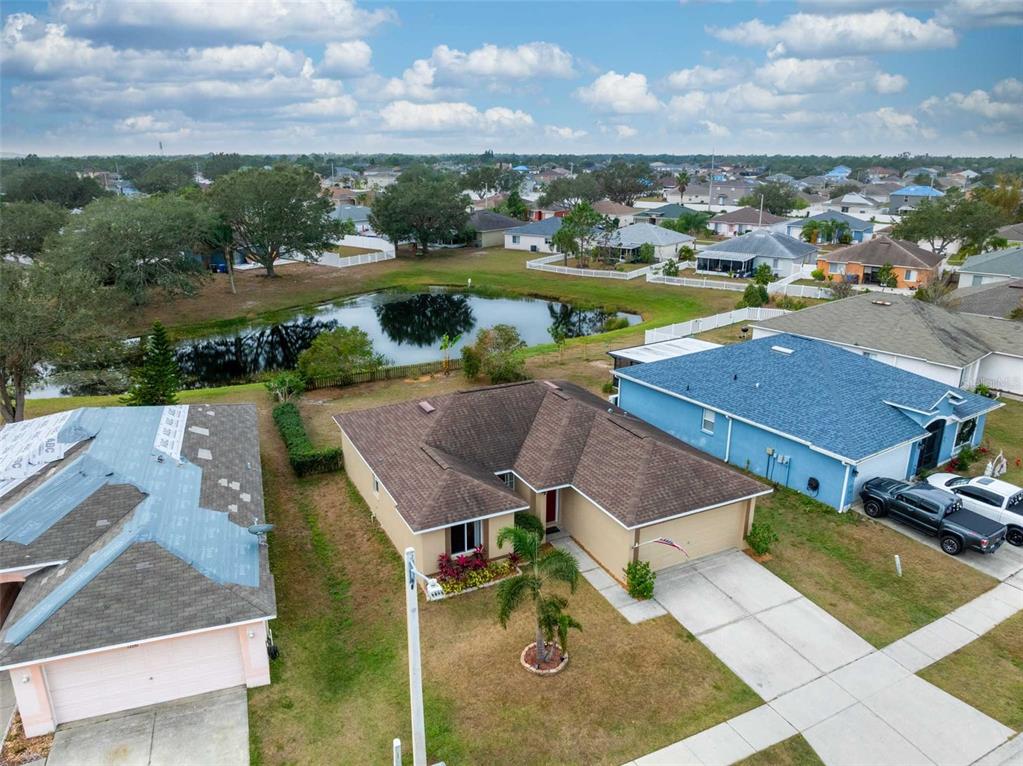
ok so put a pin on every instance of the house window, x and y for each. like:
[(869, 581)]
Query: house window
[(910, 275), (465, 537), (966, 431), (515, 239), (869, 355), (508, 479), (845, 210), (376, 485), (837, 268), (708, 422)]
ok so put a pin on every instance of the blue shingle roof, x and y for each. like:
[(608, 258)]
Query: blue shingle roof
[(822, 394), (918, 191), (545, 228)]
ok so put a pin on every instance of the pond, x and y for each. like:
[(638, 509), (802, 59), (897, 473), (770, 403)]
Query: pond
[(406, 327)]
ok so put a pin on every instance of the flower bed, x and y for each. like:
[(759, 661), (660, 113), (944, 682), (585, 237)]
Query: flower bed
[(469, 571)]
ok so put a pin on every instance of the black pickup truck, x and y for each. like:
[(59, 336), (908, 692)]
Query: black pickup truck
[(934, 511)]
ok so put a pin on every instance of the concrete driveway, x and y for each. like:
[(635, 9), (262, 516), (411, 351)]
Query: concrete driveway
[(1002, 564), (854, 704), (206, 730)]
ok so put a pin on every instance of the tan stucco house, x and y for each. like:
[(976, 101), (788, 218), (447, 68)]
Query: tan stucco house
[(445, 475), (130, 568)]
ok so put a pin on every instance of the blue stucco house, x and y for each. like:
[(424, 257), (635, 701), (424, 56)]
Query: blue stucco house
[(805, 414)]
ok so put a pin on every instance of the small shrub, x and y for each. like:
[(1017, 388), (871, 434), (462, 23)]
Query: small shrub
[(285, 386), (305, 459), (530, 522), (788, 303), (670, 268), (761, 537), (639, 580), (615, 323), (470, 570), (608, 387), (471, 362), (646, 253), (983, 390), (818, 274), (762, 274), (966, 456), (754, 296)]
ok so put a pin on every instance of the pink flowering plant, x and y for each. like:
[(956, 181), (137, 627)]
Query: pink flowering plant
[(471, 570)]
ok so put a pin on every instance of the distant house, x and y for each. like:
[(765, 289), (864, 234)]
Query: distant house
[(722, 193), (657, 215), (954, 348), (858, 204), (490, 227), (997, 299), (534, 237), (538, 212), (132, 570), (628, 240), (996, 266), (915, 172), (742, 220), (911, 264), (357, 214), (626, 215), (908, 197), (446, 475), (785, 255), (859, 230), (838, 174), (805, 414), (380, 179), (781, 178), (816, 183), (1013, 233), (877, 173)]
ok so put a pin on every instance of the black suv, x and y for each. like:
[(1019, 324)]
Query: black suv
[(934, 511)]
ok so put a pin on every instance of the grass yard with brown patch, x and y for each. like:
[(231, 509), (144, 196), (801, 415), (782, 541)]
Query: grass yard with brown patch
[(794, 751), (987, 673), (1004, 433), (844, 562)]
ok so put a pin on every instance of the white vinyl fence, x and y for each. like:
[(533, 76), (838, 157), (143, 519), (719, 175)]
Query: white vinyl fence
[(547, 264), (694, 326)]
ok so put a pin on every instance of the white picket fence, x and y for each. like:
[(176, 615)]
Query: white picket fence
[(694, 326), (547, 264), (708, 284), (344, 261)]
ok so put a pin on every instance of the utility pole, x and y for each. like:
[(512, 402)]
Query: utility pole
[(760, 220), (415, 670), (710, 192)]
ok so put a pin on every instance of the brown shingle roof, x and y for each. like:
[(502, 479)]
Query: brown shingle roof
[(440, 466), (748, 215), (607, 207), (881, 250)]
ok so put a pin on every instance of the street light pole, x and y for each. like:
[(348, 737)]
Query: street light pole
[(415, 670)]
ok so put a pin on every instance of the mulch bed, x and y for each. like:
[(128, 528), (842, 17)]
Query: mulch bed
[(553, 663), (19, 749)]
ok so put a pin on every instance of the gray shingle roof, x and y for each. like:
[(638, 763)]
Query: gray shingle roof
[(1012, 232), (640, 233), (550, 435), (487, 220), (545, 228), (748, 215), (998, 299), (146, 591), (881, 250), (905, 326), (766, 244), (1003, 263)]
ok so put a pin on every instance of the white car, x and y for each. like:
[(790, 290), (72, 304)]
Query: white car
[(998, 500)]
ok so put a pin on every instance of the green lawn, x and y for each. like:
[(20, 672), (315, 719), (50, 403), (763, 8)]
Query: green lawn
[(987, 673), (845, 563), (794, 751), (1004, 432)]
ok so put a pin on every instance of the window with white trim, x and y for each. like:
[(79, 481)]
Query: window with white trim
[(508, 479), (376, 485), (465, 537), (708, 422), (515, 239), (837, 268), (910, 275)]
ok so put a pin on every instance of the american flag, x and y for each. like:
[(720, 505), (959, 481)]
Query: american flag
[(671, 544)]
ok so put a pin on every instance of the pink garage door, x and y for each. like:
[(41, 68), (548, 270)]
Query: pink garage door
[(144, 674)]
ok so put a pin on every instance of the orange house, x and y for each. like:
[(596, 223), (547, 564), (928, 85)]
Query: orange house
[(912, 265)]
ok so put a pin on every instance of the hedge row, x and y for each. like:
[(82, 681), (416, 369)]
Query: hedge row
[(305, 459)]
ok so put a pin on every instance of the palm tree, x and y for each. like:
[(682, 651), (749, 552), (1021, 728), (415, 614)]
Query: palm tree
[(827, 231), (555, 623), (540, 570), (811, 231), (841, 230), (682, 179)]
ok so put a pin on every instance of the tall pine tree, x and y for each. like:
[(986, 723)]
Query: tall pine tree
[(158, 380)]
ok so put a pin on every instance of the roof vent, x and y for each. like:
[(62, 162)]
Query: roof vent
[(549, 384), (426, 407), (882, 303), (782, 350)]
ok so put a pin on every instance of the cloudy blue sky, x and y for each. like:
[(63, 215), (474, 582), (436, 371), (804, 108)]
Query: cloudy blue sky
[(821, 76)]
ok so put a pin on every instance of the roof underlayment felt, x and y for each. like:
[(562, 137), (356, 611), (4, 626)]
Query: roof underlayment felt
[(139, 446)]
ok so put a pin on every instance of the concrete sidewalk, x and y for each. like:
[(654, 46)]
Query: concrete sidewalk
[(854, 704)]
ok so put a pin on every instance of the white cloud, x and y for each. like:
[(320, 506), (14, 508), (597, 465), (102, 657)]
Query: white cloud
[(798, 75), (527, 61), (142, 123), (410, 117), (890, 83), (257, 20), (347, 58), (808, 34), (330, 106), (416, 82), (619, 93), (981, 13), (701, 76), (1003, 103), (625, 131), (556, 131), (715, 130), (893, 124)]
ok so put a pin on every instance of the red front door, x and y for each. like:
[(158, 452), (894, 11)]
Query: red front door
[(552, 508)]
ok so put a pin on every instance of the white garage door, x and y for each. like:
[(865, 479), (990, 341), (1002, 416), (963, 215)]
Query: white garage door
[(95, 684)]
